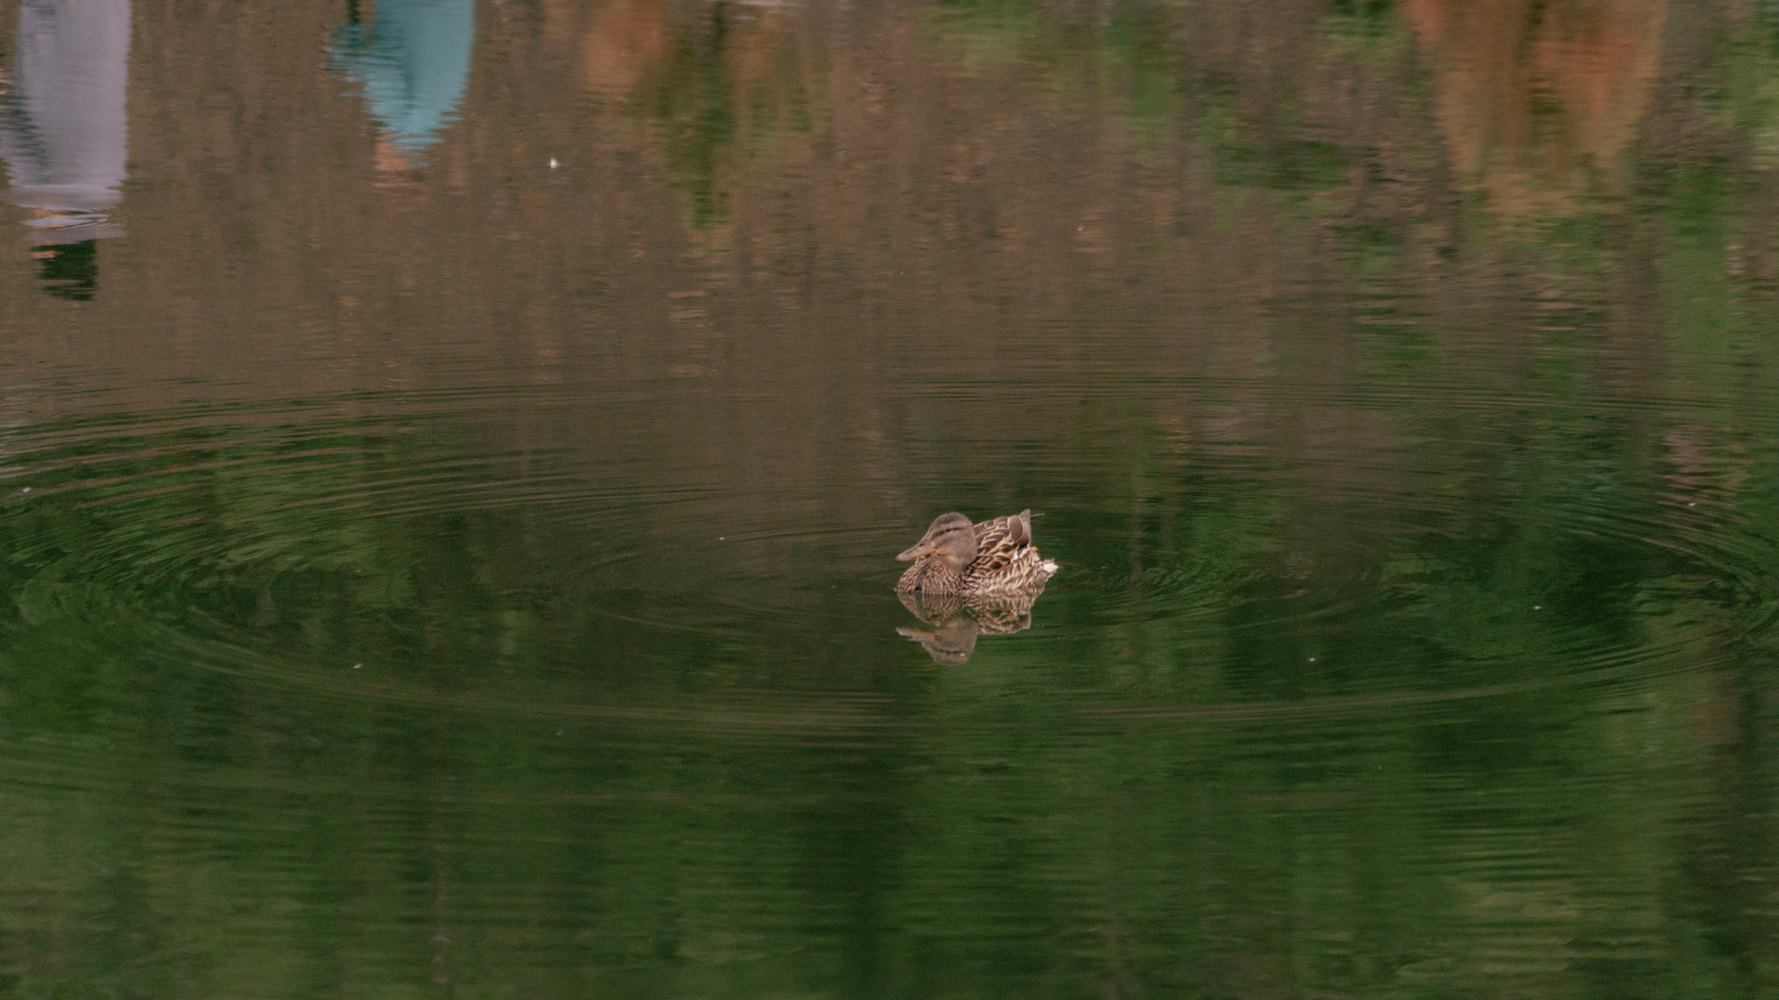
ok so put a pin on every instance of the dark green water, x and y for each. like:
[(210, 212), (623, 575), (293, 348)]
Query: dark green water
[(448, 504)]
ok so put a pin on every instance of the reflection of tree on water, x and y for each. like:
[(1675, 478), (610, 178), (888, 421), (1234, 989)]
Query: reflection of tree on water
[(413, 63), (63, 133), (721, 93), (956, 621)]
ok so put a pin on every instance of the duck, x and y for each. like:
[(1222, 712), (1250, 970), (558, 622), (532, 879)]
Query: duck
[(993, 557)]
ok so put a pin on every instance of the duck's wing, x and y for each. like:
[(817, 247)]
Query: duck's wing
[(999, 540)]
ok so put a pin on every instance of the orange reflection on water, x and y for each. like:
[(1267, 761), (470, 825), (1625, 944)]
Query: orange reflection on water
[(618, 41), (1539, 99)]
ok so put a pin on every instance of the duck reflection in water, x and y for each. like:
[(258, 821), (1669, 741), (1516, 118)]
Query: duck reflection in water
[(971, 579), (955, 621)]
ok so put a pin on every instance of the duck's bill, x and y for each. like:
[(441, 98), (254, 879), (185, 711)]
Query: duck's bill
[(915, 551)]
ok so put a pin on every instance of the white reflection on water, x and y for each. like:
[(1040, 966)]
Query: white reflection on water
[(64, 132)]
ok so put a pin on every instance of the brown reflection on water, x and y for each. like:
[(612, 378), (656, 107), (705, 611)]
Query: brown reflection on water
[(616, 42), (1539, 100), (788, 246), (841, 249), (899, 238), (952, 224)]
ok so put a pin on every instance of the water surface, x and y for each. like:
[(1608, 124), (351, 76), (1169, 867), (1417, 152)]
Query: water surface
[(451, 468)]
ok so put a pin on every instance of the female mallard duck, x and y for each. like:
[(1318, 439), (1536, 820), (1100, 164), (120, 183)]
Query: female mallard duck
[(957, 557)]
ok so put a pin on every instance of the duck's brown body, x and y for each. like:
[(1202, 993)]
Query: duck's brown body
[(995, 557)]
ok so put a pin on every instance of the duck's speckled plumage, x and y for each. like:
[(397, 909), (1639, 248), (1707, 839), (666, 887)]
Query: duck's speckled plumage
[(994, 557)]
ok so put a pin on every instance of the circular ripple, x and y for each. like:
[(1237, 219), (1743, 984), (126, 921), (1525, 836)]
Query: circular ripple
[(472, 549), (433, 551)]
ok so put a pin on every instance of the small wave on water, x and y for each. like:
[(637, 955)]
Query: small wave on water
[(422, 551), (458, 616), (1300, 593), (377, 546)]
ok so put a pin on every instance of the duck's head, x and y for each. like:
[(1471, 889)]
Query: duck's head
[(951, 538)]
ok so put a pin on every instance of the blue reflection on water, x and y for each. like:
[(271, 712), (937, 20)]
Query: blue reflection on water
[(413, 63)]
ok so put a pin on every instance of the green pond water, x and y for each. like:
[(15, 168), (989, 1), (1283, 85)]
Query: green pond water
[(452, 455)]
